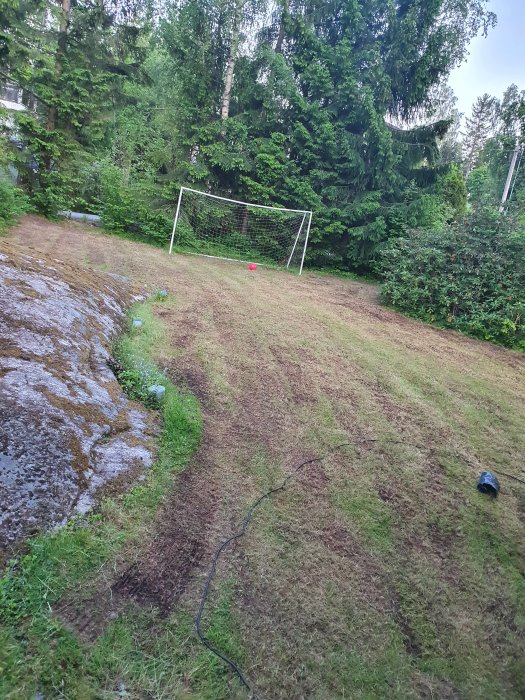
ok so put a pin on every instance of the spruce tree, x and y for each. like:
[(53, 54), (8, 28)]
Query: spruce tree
[(71, 58)]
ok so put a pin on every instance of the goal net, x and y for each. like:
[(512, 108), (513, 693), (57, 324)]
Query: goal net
[(206, 224)]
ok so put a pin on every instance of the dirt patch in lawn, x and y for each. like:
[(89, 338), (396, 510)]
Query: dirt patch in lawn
[(178, 545)]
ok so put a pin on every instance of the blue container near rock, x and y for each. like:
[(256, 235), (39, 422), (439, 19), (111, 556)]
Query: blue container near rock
[(488, 484), (157, 391), (137, 323)]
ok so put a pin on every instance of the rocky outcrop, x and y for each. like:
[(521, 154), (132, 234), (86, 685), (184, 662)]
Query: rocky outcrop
[(67, 432)]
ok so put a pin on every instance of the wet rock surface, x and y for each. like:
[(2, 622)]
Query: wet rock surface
[(67, 432)]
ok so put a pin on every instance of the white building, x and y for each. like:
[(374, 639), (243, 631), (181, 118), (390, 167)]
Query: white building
[(11, 96), (11, 99)]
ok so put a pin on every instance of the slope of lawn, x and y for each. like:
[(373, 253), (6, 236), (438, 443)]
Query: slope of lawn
[(379, 572)]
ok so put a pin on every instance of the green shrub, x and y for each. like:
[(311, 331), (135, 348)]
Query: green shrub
[(136, 375), (13, 202), (470, 276), (129, 206), (453, 191)]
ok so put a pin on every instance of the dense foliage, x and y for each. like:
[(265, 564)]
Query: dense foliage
[(495, 129), (470, 277), (13, 202), (295, 103), (70, 59)]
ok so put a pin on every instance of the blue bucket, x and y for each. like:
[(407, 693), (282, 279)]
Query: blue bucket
[(488, 484)]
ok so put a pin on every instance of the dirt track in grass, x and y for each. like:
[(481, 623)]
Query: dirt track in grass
[(381, 571)]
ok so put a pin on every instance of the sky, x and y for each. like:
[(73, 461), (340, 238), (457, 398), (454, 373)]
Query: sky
[(496, 61)]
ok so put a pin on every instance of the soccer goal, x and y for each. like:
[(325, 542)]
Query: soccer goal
[(217, 227)]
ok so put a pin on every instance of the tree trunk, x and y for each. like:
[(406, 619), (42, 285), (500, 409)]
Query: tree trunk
[(282, 27), (232, 58), (61, 50)]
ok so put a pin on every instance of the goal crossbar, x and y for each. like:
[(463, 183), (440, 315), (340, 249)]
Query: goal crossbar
[(246, 204), (306, 219)]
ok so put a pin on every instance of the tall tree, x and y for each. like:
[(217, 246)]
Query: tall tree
[(64, 17), (511, 112), (72, 59), (480, 126), (283, 19), (234, 41), (487, 179), (351, 64)]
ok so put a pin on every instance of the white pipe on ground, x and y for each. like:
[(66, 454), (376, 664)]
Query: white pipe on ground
[(93, 219)]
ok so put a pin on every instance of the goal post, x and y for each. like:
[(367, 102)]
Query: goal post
[(230, 229)]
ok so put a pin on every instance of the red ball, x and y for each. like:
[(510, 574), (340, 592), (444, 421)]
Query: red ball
[(252, 266)]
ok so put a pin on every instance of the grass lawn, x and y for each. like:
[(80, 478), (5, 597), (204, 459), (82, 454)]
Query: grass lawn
[(379, 572)]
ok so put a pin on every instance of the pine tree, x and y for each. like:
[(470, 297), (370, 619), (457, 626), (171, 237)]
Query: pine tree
[(358, 169), (479, 128)]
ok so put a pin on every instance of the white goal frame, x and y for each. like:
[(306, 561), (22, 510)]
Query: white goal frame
[(307, 219)]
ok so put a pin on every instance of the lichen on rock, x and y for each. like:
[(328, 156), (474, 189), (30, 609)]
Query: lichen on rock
[(67, 431)]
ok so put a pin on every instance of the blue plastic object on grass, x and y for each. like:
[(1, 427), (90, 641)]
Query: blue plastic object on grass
[(488, 484), (158, 391), (137, 323)]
